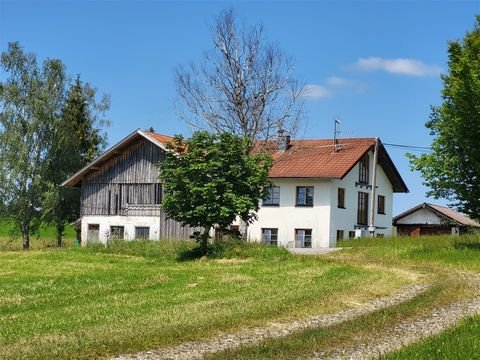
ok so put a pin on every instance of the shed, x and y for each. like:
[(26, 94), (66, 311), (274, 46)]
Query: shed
[(430, 219)]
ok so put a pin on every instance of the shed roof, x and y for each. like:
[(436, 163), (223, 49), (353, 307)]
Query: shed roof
[(441, 211)]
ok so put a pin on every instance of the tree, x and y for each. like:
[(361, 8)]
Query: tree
[(211, 179), (78, 140), (245, 86), (31, 98), (452, 169)]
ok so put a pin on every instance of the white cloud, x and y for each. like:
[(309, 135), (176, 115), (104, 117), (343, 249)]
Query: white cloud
[(337, 81), (315, 92), (346, 85), (401, 66)]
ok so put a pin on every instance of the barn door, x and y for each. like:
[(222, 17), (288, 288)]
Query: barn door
[(93, 233)]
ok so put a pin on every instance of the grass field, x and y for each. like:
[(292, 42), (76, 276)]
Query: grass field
[(96, 302), (438, 259), (10, 238)]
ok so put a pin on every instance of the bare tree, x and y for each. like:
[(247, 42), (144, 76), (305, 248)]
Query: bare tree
[(244, 86)]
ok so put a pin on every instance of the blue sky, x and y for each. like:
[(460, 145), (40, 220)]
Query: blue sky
[(373, 64)]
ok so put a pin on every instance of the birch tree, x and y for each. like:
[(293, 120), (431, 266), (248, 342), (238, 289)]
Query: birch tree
[(31, 98)]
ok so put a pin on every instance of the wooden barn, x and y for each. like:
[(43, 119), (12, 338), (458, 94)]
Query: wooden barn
[(429, 219), (121, 193)]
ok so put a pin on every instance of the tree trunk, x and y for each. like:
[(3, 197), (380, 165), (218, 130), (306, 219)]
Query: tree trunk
[(60, 229), (26, 236), (204, 240)]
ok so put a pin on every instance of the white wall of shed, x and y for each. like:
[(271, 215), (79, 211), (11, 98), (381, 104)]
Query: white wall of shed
[(128, 222)]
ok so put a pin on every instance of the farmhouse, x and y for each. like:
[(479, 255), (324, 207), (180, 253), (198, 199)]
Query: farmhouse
[(430, 219), (326, 190), (323, 191)]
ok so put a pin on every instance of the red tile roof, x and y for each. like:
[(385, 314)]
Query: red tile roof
[(303, 158), (316, 158), (159, 137)]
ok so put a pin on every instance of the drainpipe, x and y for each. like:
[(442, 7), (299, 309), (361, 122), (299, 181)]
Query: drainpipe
[(371, 227)]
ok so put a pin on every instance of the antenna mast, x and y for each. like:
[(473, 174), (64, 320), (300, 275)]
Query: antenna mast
[(335, 133)]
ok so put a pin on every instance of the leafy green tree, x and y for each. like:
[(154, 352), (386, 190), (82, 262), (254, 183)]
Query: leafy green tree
[(211, 179), (78, 140), (31, 99), (452, 169)]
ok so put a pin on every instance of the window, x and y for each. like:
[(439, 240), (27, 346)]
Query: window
[(362, 213), (273, 197), (363, 173), (270, 236), (117, 232), (380, 235), (351, 234), (381, 204), (117, 205), (109, 202), (341, 198), (142, 233), (339, 235), (157, 193), (303, 238), (93, 233), (304, 196)]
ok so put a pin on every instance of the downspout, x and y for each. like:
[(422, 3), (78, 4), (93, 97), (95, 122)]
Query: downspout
[(371, 227)]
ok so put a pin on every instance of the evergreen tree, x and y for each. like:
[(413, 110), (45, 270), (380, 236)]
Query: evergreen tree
[(78, 140)]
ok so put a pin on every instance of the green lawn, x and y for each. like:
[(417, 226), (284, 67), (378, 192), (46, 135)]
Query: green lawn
[(439, 260), (95, 302), (11, 239)]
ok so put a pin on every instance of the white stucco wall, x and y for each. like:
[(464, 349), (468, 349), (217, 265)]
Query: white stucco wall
[(346, 219), (287, 217), (129, 222), (324, 218), (422, 216)]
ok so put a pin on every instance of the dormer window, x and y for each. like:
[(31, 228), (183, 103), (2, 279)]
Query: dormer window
[(363, 170)]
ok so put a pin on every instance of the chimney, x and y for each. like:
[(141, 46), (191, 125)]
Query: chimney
[(283, 142)]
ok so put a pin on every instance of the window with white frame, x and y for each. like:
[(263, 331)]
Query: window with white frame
[(273, 197), (270, 236), (303, 238)]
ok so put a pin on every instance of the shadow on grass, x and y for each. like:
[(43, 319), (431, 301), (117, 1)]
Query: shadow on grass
[(190, 254), (466, 245), (226, 248)]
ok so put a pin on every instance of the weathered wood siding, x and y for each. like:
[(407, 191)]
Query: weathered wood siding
[(131, 177)]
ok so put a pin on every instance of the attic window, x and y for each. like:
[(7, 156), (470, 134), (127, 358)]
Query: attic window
[(363, 170)]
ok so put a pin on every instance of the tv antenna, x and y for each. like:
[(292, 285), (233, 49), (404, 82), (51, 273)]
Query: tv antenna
[(336, 131)]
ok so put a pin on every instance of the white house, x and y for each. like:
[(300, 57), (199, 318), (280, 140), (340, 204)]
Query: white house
[(321, 192)]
